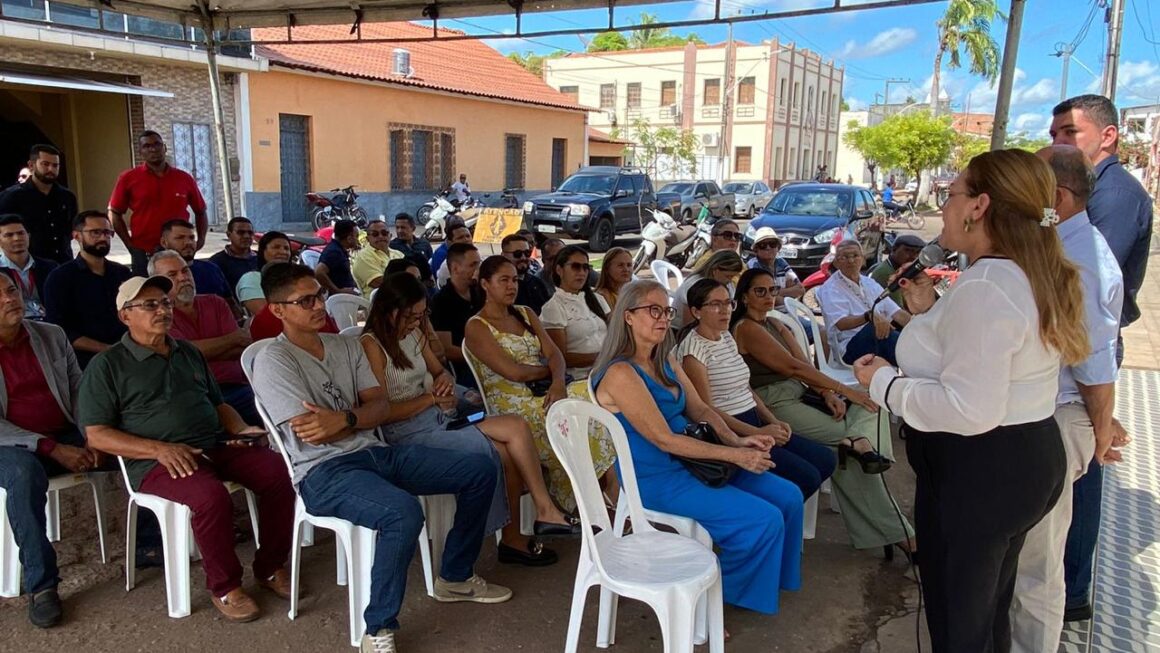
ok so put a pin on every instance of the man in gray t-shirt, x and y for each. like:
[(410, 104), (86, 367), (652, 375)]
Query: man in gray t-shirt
[(325, 404)]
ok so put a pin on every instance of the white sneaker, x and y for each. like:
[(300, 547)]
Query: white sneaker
[(381, 642)]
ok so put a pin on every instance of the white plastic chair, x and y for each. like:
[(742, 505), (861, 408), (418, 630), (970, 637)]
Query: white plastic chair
[(176, 540), (835, 369), (10, 568), (527, 506), (791, 321), (354, 545), (351, 332), (669, 275), (309, 258), (344, 309), (626, 565)]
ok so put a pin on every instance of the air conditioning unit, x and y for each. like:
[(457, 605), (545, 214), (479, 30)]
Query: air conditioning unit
[(611, 117), (710, 140)]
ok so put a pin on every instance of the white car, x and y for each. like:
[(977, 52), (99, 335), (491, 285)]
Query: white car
[(911, 186), (751, 197)]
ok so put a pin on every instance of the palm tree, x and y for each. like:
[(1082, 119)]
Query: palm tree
[(966, 25), (644, 38)]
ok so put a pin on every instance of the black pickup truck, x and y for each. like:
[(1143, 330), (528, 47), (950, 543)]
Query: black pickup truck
[(596, 204)]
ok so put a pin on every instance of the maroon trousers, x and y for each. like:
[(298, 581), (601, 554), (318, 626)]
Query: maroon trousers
[(256, 468)]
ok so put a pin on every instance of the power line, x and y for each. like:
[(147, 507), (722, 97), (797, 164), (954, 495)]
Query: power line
[(1143, 32)]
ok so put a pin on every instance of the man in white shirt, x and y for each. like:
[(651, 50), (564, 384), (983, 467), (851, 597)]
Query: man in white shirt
[(462, 190), (856, 323), (1085, 403)]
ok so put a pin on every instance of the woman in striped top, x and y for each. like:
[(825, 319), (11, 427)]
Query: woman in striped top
[(710, 358), (422, 395)]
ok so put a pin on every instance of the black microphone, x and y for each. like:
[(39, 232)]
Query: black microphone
[(928, 257)]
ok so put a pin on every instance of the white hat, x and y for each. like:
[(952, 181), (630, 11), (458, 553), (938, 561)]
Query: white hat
[(766, 233), (133, 287)]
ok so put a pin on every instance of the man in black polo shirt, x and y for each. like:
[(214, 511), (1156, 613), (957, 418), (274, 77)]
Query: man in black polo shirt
[(532, 292), (46, 207), (455, 303), (78, 296), (333, 269), (237, 257)]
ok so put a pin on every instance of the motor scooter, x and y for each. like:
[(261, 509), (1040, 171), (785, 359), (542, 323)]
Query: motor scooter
[(664, 238)]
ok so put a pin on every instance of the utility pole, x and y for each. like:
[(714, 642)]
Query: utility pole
[(1115, 20), (726, 89), (1007, 74), (887, 83), (1064, 52)]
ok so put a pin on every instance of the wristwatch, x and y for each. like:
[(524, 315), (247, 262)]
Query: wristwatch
[(351, 419), (868, 316)]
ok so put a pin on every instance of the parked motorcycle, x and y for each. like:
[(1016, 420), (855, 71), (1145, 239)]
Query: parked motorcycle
[(664, 238), (343, 206), (435, 225)]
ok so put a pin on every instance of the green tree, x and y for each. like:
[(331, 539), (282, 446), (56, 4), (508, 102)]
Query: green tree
[(651, 143), (966, 25), (845, 106), (913, 141), (532, 62), (967, 147), (608, 42), (1021, 141), (872, 143)]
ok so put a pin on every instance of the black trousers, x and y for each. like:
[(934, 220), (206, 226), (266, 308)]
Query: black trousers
[(976, 497)]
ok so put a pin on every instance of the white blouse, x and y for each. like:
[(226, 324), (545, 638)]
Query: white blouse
[(584, 331), (975, 361)]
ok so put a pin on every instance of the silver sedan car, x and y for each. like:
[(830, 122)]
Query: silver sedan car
[(751, 197)]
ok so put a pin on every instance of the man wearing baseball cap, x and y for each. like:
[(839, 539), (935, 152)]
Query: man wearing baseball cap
[(153, 400), (906, 248)]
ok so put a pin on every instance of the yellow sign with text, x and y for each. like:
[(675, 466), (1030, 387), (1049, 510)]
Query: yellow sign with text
[(495, 224)]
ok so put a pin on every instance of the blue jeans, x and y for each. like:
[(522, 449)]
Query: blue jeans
[(866, 342), (1079, 554), (800, 461), (25, 478), (375, 488)]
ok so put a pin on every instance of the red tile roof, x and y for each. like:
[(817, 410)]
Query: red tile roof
[(467, 66), (598, 136)]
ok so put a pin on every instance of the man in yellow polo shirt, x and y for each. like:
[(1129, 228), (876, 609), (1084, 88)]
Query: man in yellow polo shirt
[(370, 262)]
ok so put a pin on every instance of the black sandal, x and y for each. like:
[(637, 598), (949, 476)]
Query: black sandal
[(535, 556), (871, 461)]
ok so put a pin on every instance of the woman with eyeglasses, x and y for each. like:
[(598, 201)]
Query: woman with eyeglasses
[(977, 390), (273, 247), (422, 396), (856, 323), (522, 372), (755, 520), (575, 317), (723, 266), (615, 271), (709, 356), (820, 409)]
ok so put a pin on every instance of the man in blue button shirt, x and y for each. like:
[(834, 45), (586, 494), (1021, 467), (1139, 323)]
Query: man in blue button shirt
[(1084, 405), (1121, 210)]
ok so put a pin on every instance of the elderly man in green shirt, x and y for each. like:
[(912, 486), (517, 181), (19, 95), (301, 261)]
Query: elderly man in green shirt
[(153, 400)]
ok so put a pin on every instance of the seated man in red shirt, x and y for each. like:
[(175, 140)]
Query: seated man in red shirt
[(208, 324), (153, 193), (39, 439)]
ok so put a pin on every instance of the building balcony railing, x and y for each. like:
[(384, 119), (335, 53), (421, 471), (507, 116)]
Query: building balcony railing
[(632, 113), (781, 113), (711, 112), (746, 111)]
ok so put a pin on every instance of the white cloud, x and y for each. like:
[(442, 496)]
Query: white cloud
[(856, 104), (885, 42), (1032, 124), (983, 94), (1138, 82)]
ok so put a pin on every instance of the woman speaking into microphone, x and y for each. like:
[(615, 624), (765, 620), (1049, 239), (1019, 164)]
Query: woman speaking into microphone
[(976, 385)]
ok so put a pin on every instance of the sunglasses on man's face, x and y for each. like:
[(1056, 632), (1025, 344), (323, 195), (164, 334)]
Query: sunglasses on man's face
[(519, 253), (767, 245)]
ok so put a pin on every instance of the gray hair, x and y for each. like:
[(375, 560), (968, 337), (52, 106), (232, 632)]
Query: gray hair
[(161, 256), (619, 343), (1072, 171), (725, 259), (849, 243)]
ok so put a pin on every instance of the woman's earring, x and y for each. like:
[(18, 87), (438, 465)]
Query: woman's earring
[(967, 225)]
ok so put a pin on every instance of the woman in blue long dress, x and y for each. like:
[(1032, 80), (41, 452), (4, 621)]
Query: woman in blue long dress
[(756, 519)]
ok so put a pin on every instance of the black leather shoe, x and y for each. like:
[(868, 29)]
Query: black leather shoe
[(536, 555), (1078, 613), (44, 609), (550, 529)]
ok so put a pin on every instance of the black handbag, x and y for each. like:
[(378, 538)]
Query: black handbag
[(540, 387), (714, 473)]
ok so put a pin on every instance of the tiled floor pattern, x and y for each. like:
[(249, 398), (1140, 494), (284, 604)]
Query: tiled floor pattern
[(1127, 575)]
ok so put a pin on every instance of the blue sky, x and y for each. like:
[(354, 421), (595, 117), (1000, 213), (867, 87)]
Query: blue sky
[(874, 45)]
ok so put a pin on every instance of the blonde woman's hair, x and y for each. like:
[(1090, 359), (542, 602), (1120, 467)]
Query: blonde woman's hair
[(725, 260), (1020, 186), (619, 343), (604, 281)]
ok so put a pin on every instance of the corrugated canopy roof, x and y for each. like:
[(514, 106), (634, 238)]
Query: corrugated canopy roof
[(241, 14)]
